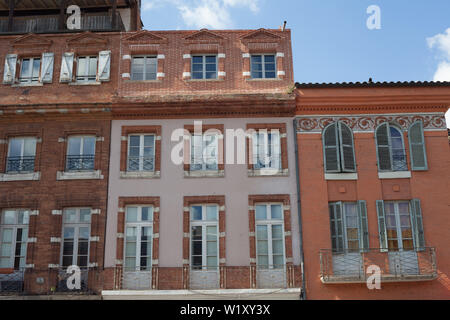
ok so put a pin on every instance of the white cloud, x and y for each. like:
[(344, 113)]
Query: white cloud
[(212, 14), (441, 42)]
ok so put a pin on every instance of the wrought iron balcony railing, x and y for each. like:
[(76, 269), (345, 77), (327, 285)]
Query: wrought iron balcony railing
[(351, 266), (80, 163), (141, 163), (19, 164), (13, 282), (399, 162)]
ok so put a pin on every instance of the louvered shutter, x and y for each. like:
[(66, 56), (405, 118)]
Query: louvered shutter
[(416, 219), (330, 149), (9, 72), (276, 150), (382, 226), (104, 64), (348, 163), (66, 67), (47, 67), (336, 227), (417, 147), (363, 226), (383, 148)]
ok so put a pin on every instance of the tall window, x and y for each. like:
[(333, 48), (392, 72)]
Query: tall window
[(266, 149), (390, 149), (144, 68), (339, 154), (13, 238), (21, 154), (138, 238), (204, 152), (76, 232), (348, 224), (80, 153), (29, 70), (204, 67), (204, 237), (263, 66), (269, 236), (87, 69), (141, 152)]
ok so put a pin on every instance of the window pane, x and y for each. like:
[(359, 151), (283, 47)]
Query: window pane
[(5, 249), (93, 66), (261, 232), (135, 141), (197, 67), (130, 250), (256, 58), (262, 247), (69, 233), (197, 59), (131, 234), (84, 233), (149, 141), (74, 146), (196, 213), (29, 147), (211, 212), (82, 261), (210, 67), (67, 261), (211, 248), (36, 67), (269, 58), (261, 212), (270, 74), (70, 215), (211, 233), (25, 71), (196, 247), (210, 59), (68, 248), (81, 68), (132, 214), (9, 217), (15, 147), (146, 233), (197, 233), (89, 146), (211, 75), (212, 261), (263, 261), (197, 75), (85, 215), (130, 263), (276, 211), (277, 231), (83, 247), (278, 261), (24, 217), (147, 214)]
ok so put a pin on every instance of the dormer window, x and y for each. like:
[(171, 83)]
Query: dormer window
[(29, 70), (263, 66), (204, 67)]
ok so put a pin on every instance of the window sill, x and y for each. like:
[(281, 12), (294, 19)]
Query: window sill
[(32, 176), (79, 175), (341, 176), (264, 79), (27, 85), (203, 80), (140, 174), (395, 175), (204, 174), (268, 173), (143, 81), (96, 83)]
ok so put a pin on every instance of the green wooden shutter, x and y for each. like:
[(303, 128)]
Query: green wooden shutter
[(336, 227), (330, 148), (417, 147), (382, 226), (347, 150), (383, 148), (363, 226), (417, 224)]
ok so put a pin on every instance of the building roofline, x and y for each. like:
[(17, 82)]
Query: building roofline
[(384, 84)]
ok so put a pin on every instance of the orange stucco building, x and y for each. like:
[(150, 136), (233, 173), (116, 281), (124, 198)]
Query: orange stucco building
[(386, 205)]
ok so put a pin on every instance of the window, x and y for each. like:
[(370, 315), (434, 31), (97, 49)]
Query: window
[(87, 69), (30, 70), (138, 238), (204, 152), (21, 154), (144, 68), (204, 237), (263, 66), (13, 238), (141, 152), (348, 226), (390, 149), (266, 149), (417, 147), (80, 153), (204, 67), (76, 233), (338, 149), (269, 236)]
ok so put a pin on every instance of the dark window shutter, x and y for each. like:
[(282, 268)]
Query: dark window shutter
[(347, 148), (417, 224), (336, 226), (383, 148), (363, 226), (330, 149), (417, 147), (382, 226)]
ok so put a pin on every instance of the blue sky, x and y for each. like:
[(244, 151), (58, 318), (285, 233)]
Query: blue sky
[(330, 38)]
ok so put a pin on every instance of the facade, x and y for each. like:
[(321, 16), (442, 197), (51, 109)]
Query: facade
[(378, 196)]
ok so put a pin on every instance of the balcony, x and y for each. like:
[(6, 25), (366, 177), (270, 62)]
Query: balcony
[(19, 164), (50, 23), (80, 163), (141, 163), (350, 266)]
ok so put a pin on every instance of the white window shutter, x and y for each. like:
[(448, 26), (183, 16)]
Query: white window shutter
[(104, 63), (9, 73), (254, 155), (66, 67), (276, 151), (47, 67)]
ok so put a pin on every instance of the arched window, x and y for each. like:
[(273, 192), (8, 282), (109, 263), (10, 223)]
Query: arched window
[(417, 147), (338, 149), (390, 149)]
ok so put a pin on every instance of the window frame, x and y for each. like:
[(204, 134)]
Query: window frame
[(30, 79), (204, 223), (87, 78), (141, 151), (269, 223), (269, 149), (204, 163), (139, 224), (204, 71), (15, 226), (399, 129), (81, 153), (22, 150), (77, 225), (400, 238), (144, 73), (263, 65)]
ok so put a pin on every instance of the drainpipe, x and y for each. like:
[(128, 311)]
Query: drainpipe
[(303, 293)]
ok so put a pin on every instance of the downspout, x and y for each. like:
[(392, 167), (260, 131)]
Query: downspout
[(302, 264)]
